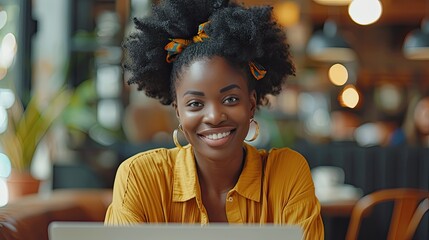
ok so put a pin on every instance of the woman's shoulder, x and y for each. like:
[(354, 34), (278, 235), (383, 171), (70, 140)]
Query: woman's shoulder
[(159, 158), (285, 163), (285, 156), (276, 155)]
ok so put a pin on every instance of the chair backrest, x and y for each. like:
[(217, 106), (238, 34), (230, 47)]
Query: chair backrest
[(418, 215), (407, 211)]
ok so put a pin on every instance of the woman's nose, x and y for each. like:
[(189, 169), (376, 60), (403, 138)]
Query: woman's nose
[(214, 115)]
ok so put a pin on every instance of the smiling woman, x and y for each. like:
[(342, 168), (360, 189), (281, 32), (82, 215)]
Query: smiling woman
[(214, 62), (214, 106)]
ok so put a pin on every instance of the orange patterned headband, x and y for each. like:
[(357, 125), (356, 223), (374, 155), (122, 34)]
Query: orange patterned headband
[(176, 46)]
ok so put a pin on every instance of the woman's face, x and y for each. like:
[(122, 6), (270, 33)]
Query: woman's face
[(214, 106)]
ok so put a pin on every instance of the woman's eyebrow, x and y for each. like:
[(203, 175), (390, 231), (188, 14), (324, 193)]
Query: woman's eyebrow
[(191, 92), (229, 87)]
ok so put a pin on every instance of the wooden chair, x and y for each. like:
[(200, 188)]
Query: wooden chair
[(418, 215), (410, 205)]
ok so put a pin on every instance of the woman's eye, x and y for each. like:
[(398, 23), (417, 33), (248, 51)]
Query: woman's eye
[(230, 100), (195, 104)]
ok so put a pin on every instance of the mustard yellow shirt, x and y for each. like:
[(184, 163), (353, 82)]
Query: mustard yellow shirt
[(162, 185)]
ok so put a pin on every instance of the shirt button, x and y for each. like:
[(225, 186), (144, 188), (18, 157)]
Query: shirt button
[(230, 199)]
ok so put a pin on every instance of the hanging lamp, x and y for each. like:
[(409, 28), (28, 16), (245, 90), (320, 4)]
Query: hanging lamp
[(416, 44), (328, 46)]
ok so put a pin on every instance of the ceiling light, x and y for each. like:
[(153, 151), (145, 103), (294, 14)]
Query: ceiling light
[(416, 45), (328, 46), (365, 12), (338, 74), (349, 97)]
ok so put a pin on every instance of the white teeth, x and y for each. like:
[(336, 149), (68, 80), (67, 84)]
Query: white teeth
[(217, 136)]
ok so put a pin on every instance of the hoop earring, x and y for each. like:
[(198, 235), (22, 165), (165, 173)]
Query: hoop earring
[(175, 140), (256, 131)]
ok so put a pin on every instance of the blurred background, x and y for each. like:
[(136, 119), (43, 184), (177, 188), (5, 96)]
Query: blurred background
[(357, 109)]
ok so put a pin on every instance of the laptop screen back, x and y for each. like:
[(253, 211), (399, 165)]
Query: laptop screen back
[(97, 231)]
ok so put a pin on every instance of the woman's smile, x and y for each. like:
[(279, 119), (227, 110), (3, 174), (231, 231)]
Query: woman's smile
[(217, 137)]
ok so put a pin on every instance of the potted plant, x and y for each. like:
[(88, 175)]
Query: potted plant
[(25, 129)]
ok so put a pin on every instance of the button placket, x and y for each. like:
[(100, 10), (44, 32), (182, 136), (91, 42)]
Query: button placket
[(232, 209)]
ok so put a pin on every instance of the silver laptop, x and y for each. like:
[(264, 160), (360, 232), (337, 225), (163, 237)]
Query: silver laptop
[(97, 231)]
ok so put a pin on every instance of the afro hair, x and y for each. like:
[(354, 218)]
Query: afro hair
[(237, 33)]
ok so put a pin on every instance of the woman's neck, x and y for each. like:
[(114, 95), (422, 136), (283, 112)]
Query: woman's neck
[(219, 175)]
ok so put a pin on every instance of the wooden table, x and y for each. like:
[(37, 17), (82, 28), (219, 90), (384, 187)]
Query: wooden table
[(340, 208)]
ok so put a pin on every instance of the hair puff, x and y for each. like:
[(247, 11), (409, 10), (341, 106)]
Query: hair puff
[(237, 33)]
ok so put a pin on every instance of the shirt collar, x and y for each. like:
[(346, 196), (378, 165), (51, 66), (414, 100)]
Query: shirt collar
[(185, 175), (250, 180), (185, 181)]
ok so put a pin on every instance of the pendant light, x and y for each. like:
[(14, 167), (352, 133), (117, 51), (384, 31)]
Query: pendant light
[(416, 44), (328, 46)]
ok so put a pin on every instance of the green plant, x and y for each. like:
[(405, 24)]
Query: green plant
[(27, 127)]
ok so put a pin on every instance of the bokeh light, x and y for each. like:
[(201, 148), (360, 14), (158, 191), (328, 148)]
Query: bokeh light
[(287, 13), (338, 74), (5, 169), (365, 12), (7, 98), (7, 50), (389, 97), (109, 113), (349, 97), (5, 166), (3, 18), (368, 135), (4, 196), (3, 119)]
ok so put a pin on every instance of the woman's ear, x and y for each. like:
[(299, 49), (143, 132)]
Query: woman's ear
[(174, 104), (253, 102)]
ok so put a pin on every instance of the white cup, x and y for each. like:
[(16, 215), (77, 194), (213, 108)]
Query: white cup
[(327, 176)]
